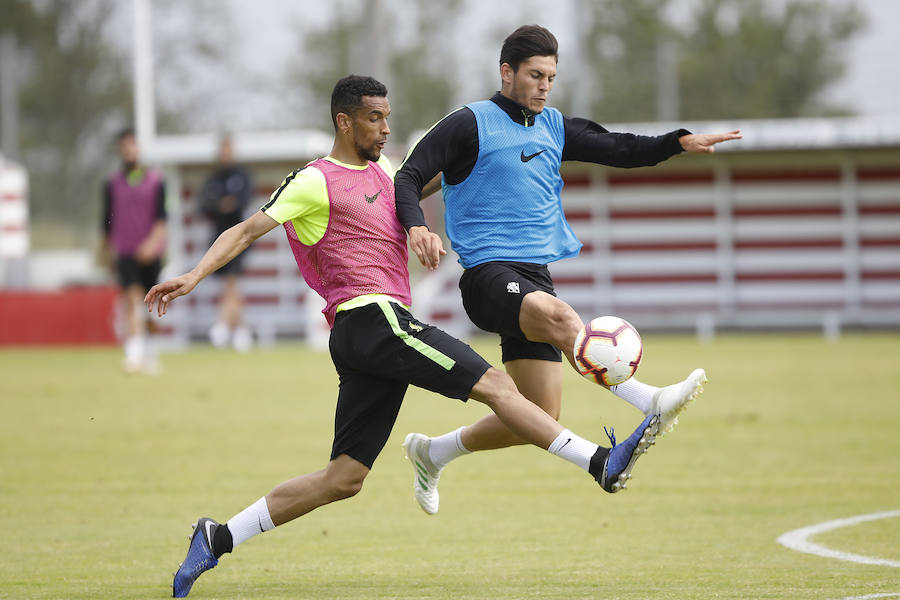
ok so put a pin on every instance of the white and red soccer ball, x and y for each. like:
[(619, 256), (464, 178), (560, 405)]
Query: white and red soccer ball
[(608, 350)]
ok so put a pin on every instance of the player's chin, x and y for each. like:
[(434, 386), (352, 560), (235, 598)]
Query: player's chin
[(373, 154)]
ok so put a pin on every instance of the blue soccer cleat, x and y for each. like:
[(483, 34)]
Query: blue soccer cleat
[(618, 461), (199, 558)]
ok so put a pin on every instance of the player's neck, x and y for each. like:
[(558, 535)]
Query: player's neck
[(349, 156)]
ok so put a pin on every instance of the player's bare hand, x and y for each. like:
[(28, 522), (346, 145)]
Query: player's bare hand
[(427, 245), (145, 253), (162, 293), (705, 142)]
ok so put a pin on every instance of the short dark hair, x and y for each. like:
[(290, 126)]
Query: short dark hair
[(125, 132), (349, 91), (525, 42)]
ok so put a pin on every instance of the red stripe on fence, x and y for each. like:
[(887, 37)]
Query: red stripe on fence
[(879, 275), (880, 209), (624, 309), (879, 242), (578, 215), (801, 305), (791, 276), (261, 272), (573, 280), (575, 180), (662, 246), (256, 300), (876, 174), (788, 244), (622, 180), (666, 278), (785, 176), (787, 211), (684, 213)]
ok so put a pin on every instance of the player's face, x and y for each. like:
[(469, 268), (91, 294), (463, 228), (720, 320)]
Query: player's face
[(128, 150), (531, 84), (370, 127)]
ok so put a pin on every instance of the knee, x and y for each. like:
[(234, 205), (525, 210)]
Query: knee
[(341, 484), (565, 320), (343, 488), (551, 319), (494, 387)]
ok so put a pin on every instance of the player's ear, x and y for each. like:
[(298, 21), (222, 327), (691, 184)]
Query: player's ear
[(506, 73), (344, 122)]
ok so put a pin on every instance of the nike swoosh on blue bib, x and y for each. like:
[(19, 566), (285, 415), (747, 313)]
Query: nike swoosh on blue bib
[(530, 156)]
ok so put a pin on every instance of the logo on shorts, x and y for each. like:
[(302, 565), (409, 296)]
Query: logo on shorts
[(415, 327), (512, 287)]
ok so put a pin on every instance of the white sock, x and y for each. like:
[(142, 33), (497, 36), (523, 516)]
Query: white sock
[(445, 448), (251, 521), (639, 395), (574, 449), (135, 348)]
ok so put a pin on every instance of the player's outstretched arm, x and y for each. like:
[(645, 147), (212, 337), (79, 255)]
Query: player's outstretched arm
[(705, 142), (232, 242), (427, 245)]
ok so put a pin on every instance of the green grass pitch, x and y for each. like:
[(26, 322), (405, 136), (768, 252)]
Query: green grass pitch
[(101, 475)]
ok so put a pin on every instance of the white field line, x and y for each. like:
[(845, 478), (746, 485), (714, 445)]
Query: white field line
[(797, 540), (873, 596)]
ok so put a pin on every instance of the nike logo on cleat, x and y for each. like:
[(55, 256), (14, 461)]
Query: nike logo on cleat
[(209, 533), (530, 156)]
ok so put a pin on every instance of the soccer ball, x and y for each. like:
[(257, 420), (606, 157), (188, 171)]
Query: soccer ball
[(608, 350)]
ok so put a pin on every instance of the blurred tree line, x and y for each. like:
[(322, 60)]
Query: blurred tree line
[(75, 93), (722, 59)]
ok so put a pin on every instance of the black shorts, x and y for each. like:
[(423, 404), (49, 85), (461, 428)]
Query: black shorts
[(132, 272), (379, 350), (492, 295)]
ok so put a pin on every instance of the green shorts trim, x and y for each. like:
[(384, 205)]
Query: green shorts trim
[(416, 344)]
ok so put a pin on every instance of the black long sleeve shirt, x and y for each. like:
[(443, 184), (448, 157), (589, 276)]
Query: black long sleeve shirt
[(451, 146)]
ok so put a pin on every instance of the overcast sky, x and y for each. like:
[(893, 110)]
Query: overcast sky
[(872, 84), (266, 37)]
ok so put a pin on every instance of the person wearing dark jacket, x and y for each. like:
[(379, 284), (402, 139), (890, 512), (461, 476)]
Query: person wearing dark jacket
[(224, 200)]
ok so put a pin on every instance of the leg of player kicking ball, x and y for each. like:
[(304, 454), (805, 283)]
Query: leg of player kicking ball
[(546, 318), (610, 467), (543, 318)]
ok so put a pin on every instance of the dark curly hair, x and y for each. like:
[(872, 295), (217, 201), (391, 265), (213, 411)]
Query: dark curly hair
[(349, 91)]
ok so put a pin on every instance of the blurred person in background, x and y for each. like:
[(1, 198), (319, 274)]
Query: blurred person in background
[(134, 227), (224, 199)]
